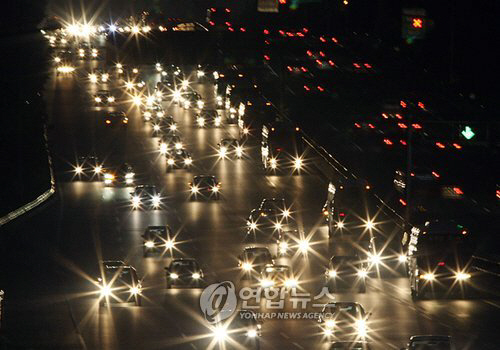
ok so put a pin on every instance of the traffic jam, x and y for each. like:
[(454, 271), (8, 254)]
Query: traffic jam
[(320, 251)]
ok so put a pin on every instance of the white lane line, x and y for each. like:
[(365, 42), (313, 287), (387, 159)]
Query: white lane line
[(284, 335), (298, 345), (492, 303)]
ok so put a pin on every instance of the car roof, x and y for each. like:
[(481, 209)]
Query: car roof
[(430, 337), (200, 177), (253, 249), (140, 187)]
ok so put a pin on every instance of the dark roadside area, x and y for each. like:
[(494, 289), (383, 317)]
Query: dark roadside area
[(23, 72)]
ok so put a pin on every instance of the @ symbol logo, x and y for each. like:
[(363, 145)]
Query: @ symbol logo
[(218, 301)]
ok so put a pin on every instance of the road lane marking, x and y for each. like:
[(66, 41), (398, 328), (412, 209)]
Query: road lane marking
[(284, 335), (298, 345)]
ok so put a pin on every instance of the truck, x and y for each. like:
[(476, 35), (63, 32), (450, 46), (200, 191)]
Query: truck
[(281, 147)]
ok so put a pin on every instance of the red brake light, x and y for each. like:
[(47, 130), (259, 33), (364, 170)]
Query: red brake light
[(399, 116), (306, 88), (403, 104), (266, 31), (334, 40), (322, 39), (371, 126), (357, 125), (341, 214), (321, 88), (212, 23), (228, 24), (441, 263), (243, 29), (309, 53), (367, 65), (457, 146), (402, 201), (213, 9), (356, 65), (435, 174), (330, 62), (388, 142), (289, 68), (458, 190), (319, 62), (231, 29), (267, 58), (421, 105), (416, 126), (228, 10), (303, 69), (322, 54), (403, 142), (402, 125), (440, 145)]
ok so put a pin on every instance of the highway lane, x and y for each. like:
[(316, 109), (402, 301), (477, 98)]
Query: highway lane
[(54, 303)]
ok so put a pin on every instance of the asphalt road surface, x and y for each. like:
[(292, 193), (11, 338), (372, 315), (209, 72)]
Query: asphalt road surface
[(49, 259)]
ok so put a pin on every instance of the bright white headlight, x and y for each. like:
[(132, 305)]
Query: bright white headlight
[(149, 244), (170, 161), (105, 291), (174, 276), (196, 275)]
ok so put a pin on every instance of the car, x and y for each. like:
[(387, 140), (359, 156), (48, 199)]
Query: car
[(240, 331), (165, 124), (152, 112), (230, 147), (170, 142), (430, 342), (208, 117), (345, 272), (205, 185), (157, 240), (278, 204), (192, 99), (89, 167), (179, 158), (123, 174), (290, 241), (345, 321), (184, 271), (119, 283), (253, 260), (145, 196), (277, 276), (266, 223), (116, 118), (104, 98), (99, 76)]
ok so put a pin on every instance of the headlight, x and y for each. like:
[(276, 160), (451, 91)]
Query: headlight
[(428, 276), (135, 290), (222, 152), (185, 84), (332, 273), (200, 73), (173, 127), (169, 244), (265, 283), (374, 259), (232, 110), (188, 161), (327, 332), (201, 121), (129, 175), (104, 77), (160, 114), (97, 99), (156, 200), (136, 100), (362, 273), (286, 213), (252, 333), (136, 200), (177, 95), (174, 276), (461, 276), (304, 246), (291, 283), (150, 100), (111, 99), (278, 226), (178, 145), (330, 324), (283, 246), (109, 176), (78, 170), (239, 151), (297, 163), (340, 224), (200, 104), (253, 226), (369, 225), (220, 333), (274, 163), (149, 244), (57, 59), (361, 326), (187, 104), (194, 189), (105, 291), (93, 78), (196, 275), (170, 161), (156, 127), (402, 258), (246, 266), (217, 121), (98, 169), (246, 131), (215, 189), (129, 85), (163, 148)]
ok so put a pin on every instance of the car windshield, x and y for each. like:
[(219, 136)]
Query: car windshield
[(184, 265), (259, 256), (204, 181), (430, 345), (229, 142), (147, 190), (270, 204), (119, 276)]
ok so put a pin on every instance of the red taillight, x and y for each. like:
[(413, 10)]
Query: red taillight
[(388, 142), (243, 29), (212, 23), (416, 126), (342, 214), (306, 88), (402, 201), (458, 190), (356, 65), (435, 174), (367, 65), (441, 263), (213, 9), (322, 54), (385, 116), (421, 105), (228, 10), (403, 142), (231, 29), (309, 53), (267, 58), (322, 39), (440, 145), (305, 30), (399, 116), (303, 69), (300, 34), (371, 126), (279, 149), (457, 146), (321, 88), (228, 24), (334, 40), (281, 32), (266, 31), (357, 125), (330, 62), (403, 104), (402, 125), (319, 62), (289, 68)]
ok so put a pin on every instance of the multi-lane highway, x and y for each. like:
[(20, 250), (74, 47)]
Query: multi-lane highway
[(50, 258)]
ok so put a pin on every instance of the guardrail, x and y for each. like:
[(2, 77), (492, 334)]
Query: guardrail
[(41, 198)]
